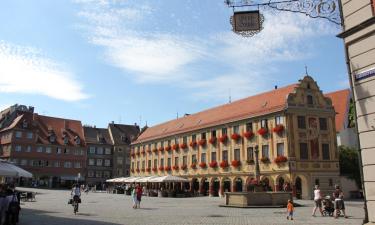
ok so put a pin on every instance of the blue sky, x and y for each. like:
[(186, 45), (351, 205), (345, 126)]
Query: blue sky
[(134, 61)]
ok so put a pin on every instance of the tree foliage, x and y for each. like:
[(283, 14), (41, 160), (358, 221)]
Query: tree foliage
[(349, 164)]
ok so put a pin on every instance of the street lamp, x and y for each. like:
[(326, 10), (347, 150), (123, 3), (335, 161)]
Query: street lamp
[(257, 169)]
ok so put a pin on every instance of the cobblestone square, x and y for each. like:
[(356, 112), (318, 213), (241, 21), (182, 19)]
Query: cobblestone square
[(51, 208)]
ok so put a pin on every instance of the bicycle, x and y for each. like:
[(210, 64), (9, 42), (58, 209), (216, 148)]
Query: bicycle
[(75, 203)]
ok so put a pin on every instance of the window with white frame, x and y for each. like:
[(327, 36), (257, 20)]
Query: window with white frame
[(194, 158), (263, 123), (28, 148), (92, 150), (108, 151), (23, 162), (99, 162), (119, 160), (90, 173), (40, 149), (91, 162), (56, 164), (265, 151), (98, 174), (48, 150), (106, 174), (280, 149), (18, 148), (99, 151), (29, 135), (213, 156), (225, 155), (279, 120), (203, 157), (250, 153), (18, 134), (236, 129), (58, 150), (237, 154), (107, 162), (67, 165)]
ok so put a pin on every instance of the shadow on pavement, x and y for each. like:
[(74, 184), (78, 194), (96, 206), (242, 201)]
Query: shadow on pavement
[(39, 217)]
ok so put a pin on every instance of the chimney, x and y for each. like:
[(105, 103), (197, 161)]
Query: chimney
[(275, 87)]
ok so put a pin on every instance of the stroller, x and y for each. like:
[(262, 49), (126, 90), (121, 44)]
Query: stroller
[(328, 206)]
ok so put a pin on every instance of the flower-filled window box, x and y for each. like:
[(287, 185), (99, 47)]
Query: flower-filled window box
[(154, 150), (193, 144), (143, 152), (223, 138), (133, 154), (161, 168), (154, 169), (175, 147), (161, 149), (236, 163), (281, 159), (137, 170), (148, 150), (248, 134), (265, 160), (262, 131), (235, 136), (212, 140), (167, 148), (184, 167), (278, 129), (138, 153), (183, 145), (132, 170), (193, 166), (167, 168), (175, 167), (202, 142), (143, 169), (213, 164), (250, 161), (224, 164), (202, 165), (148, 170)]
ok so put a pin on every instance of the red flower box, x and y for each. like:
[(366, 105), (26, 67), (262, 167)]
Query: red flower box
[(132, 170), (223, 138), (281, 159), (149, 150), (202, 142), (235, 136), (143, 170), (224, 164), (193, 166), (265, 160), (175, 147), (155, 150), (193, 144), (167, 148), (184, 167), (262, 131), (175, 167), (143, 152), (202, 165), (161, 149), (154, 169), (278, 129), (138, 153), (183, 145), (248, 134), (213, 164), (133, 154), (137, 170), (167, 168), (161, 168), (236, 163), (212, 140), (148, 169)]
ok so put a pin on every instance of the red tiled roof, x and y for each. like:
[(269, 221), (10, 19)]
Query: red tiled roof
[(340, 101), (257, 105)]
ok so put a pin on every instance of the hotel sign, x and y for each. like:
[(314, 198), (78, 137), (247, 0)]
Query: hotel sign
[(246, 21), (364, 75)]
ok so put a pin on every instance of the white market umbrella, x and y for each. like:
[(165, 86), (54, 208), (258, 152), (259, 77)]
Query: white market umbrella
[(19, 172), (168, 178), (5, 171)]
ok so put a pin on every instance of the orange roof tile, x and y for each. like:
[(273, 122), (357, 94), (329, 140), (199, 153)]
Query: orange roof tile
[(257, 105), (340, 101)]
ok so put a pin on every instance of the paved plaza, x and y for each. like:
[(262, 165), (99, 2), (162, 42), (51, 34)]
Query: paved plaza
[(51, 208)]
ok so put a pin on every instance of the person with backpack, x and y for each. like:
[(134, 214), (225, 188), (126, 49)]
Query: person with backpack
[(13, 206)]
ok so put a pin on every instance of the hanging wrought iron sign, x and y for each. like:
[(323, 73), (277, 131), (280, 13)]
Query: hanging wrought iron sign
[(247, 23)]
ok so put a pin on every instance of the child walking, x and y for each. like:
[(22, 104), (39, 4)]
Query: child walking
[(290, 209)]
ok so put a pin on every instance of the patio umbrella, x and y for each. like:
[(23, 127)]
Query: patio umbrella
[(5, 171), (168, 178), (5, 167)]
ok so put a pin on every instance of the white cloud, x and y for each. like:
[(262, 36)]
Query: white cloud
[(25, 70), (149, 55)]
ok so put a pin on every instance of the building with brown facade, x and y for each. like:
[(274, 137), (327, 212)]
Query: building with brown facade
[(49, 147), (99, 155), (289, 131), (121, 136), (358, 18)]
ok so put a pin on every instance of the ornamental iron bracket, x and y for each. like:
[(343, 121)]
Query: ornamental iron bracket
[(326, 9)]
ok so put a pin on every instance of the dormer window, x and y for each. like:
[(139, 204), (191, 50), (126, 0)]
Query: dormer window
[(24, 124), (77, 140)]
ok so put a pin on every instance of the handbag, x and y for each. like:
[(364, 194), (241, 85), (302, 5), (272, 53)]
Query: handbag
[(70, 201)]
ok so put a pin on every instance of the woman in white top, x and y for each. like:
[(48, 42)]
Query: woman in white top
[(317, 200)]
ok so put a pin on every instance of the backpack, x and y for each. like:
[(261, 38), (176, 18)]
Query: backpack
[(13, 207)]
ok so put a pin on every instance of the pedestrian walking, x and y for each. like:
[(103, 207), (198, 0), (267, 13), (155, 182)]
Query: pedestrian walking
[(317, 200), (134, 196), (338, 195), (290, 210), (139, 196)]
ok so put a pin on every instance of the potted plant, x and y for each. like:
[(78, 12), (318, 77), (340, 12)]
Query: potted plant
[(183, 145), (193, 166), (262, 131), (154, 149), (265, 159), (202, 142), (202, 165), (224, 164), (223, 138), (175, 167), (193, 144), (161, 168), (175, 147), (278, 128), (137, 170), (154, 169), (184, 167), (236, 163), (248, 134), (213, 164), (235, 136), (167, 168), (148, 169), (167, 148), (212, 140), (161, 149), (281, 159)]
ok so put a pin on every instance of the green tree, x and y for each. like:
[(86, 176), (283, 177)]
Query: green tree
[(349, 164)]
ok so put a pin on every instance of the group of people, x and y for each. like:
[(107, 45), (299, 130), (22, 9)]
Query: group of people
[(9, 205), (136, 194)]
